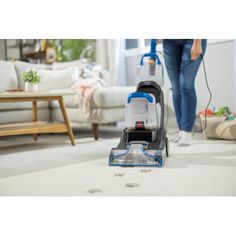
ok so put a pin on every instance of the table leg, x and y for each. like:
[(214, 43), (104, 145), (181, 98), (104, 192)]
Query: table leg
[(34, 116), (66, 120)]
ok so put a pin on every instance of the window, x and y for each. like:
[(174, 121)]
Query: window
[(134, 47), (147, 42), (131, 43)]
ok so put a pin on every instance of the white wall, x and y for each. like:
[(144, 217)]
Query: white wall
[(234, 69), (220, 64)]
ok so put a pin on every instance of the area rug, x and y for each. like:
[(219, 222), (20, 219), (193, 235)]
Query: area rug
[(207, 168)]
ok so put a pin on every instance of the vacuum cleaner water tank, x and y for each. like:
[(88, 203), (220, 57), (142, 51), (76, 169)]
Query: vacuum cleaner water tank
[(141, 111)]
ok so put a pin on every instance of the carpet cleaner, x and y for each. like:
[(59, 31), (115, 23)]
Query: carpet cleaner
[(144, 141)]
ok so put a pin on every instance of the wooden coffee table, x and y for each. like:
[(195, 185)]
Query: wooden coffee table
[(36, 127)]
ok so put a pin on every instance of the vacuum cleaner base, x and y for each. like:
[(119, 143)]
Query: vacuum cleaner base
[(138, 156), (140, 153)]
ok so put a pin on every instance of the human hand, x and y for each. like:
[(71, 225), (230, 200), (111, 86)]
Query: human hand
[(196, 49)]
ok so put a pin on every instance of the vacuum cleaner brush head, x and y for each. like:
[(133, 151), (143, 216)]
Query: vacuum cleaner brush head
[(136, 155)]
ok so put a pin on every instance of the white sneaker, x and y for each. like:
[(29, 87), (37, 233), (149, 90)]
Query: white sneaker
[(186, 139), (177, 137)]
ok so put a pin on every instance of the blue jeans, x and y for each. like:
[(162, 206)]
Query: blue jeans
[(182, 73)]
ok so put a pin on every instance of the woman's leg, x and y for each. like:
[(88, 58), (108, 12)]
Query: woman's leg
[(173, 55), (187, 85)]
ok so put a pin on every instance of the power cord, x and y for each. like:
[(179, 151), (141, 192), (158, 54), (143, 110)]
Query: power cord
[(209, 90), (167, 103)]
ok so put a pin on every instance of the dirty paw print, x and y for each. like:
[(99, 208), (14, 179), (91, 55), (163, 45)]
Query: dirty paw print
[(119, 174), (94, 190), (132, 185)]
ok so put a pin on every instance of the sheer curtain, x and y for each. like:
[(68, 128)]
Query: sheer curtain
[(110, 54)]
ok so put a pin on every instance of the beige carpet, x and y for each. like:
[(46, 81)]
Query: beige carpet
[(207, 168)]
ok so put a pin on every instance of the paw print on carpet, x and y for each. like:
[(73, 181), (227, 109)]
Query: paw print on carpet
[(132, 185), (145, 170), (119, 174), (94, 190)]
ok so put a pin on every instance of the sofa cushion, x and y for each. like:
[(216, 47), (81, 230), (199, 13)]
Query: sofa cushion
[(23, 116), (24, 66), (8, 76), (70, 101), (74, 115), (103, 97), (102, 116), (81, 64), (86, 69), (108, 97), (57, 79)]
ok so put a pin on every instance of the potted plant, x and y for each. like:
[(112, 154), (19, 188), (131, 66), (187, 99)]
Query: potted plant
[(31, 79)]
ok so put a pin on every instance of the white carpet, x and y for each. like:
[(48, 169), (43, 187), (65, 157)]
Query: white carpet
[(23, 155), (207, 168)]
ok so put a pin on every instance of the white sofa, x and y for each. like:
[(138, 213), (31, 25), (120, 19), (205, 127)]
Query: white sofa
[(107, 103)]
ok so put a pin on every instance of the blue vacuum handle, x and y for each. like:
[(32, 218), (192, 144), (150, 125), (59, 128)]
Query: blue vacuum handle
[(152, 54), (153, 44)]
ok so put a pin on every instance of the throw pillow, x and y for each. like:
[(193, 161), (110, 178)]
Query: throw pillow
[(58, 79), (8, 77)]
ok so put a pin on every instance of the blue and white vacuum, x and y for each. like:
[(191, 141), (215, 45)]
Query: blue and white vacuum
[(144, 141)]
